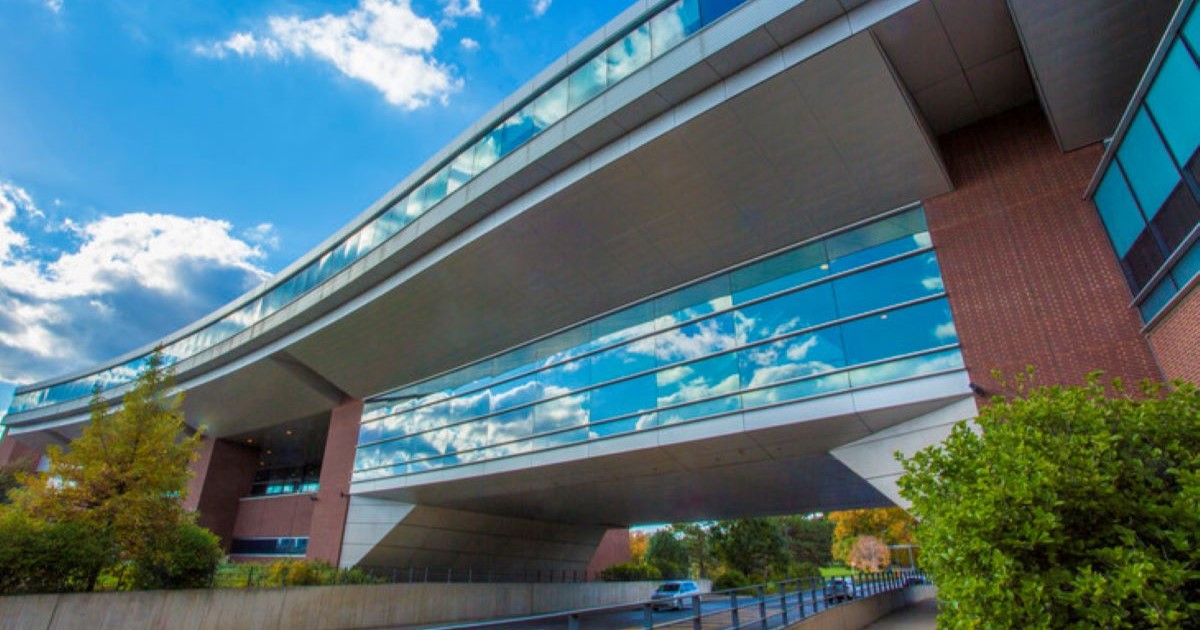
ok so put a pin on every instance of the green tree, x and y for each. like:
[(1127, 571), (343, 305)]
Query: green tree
[(750, 545), (125, 477), (697, 540), (666, 553), (189, 560), (1066, 507), (10, 477), (807, 539)]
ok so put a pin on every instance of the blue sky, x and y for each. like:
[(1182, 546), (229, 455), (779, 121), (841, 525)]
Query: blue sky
[(158, 159)]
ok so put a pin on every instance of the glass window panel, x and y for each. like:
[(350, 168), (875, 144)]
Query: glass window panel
[(796, 357), (712, 10), (1175, 101), (695, 340), (519, 391), (785, 314), (1158, 298), (780, 272), (587, 81), (1151, 172), (561, 413), (510, 426), (1188, 266), (1120, 213), (793, 391), (870, 243), (566, 377), (516, 131), (562, 437), (629, 54), (699, 410), (487, 151), (880, 287), (435, 187), (623, 325), (897, 332), (1178, 217), (700, 379), (1142, 261), (691, 302), (427, 417), (624, 425), (622, 361), (395, 218), (550, 107), (416, 202), (515, 362), (906, 368), (674, 24), (1191, 29), (562, 346), (460, 171), (470, 405), (624, 397)]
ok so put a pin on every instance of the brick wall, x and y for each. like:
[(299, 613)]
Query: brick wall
[(223, 475), (1027, 265), (282, 516), (1176, 339), (613, 549), (329, 513)]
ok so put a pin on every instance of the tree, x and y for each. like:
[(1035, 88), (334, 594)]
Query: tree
[(750, 545), (891, 525), (1066, 507), (807, 539), (698, 541), (638, 541), (666, 553), (125, 477), (10, 477), (868, 553)]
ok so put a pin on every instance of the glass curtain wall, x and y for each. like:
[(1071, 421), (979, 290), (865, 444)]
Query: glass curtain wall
[(1149, 196), (646, 39), (856, 309)]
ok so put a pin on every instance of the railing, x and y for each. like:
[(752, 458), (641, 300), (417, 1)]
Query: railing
[(756, 607)]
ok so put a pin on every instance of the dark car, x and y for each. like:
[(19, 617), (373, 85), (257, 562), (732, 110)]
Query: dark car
[(839, 590), (674, 594)]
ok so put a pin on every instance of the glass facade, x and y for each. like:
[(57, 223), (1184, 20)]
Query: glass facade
[(268, 546), (1149, 196), (653, 35), (855, 309), (290, 480)]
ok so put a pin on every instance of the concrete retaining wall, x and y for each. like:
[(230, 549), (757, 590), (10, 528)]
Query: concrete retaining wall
[(860, 613), (307, 608)]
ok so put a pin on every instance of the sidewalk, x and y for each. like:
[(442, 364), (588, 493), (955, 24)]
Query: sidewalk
[(920, 616)]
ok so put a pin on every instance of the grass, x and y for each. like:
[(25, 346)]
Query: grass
[(829, 572)]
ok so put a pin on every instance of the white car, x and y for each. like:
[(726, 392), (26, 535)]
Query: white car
[(674, 594)]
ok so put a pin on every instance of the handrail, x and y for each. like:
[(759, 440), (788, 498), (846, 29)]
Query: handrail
[(810, 596)]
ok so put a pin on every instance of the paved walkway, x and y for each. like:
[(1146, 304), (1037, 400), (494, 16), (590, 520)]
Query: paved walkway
[(920, 616)]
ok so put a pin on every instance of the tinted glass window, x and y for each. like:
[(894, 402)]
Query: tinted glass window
[(1120, 213), (1178, 217), (1142, 261), (1174, 99), (1151, 172)]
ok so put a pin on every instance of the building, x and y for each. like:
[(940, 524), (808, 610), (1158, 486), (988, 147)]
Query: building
[(721, 259)]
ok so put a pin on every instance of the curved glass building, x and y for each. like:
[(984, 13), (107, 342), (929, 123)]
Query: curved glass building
[(722, 259)]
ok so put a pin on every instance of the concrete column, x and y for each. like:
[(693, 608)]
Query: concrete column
[(222, 476), (613, 549), (333, 498)]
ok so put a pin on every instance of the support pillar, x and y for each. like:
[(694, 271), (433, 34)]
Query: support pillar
[(222, 475), (333, 497)]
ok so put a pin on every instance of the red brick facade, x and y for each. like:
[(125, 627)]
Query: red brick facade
[(1176, 339), (223, 475), (1027, 266), (281, 516), (333, 499), (613, 549)]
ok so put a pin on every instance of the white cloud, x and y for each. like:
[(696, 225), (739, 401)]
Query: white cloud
[(382, 43), (263, 234), (117, 283), (55, 5), (468, 44), (539, 7), (461, 8)]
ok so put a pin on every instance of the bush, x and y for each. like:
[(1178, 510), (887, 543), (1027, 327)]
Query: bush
[(730, 578), (189, 561), (1069, 508), (630, 572), (313, 573), (41, 557)]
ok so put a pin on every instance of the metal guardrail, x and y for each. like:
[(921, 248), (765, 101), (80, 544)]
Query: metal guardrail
[(759, 607)]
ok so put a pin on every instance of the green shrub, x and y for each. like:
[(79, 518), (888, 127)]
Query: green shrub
[(301, 572), (41, 557), (731, 578), (190, 560), (1070, 507), (630, 572)]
